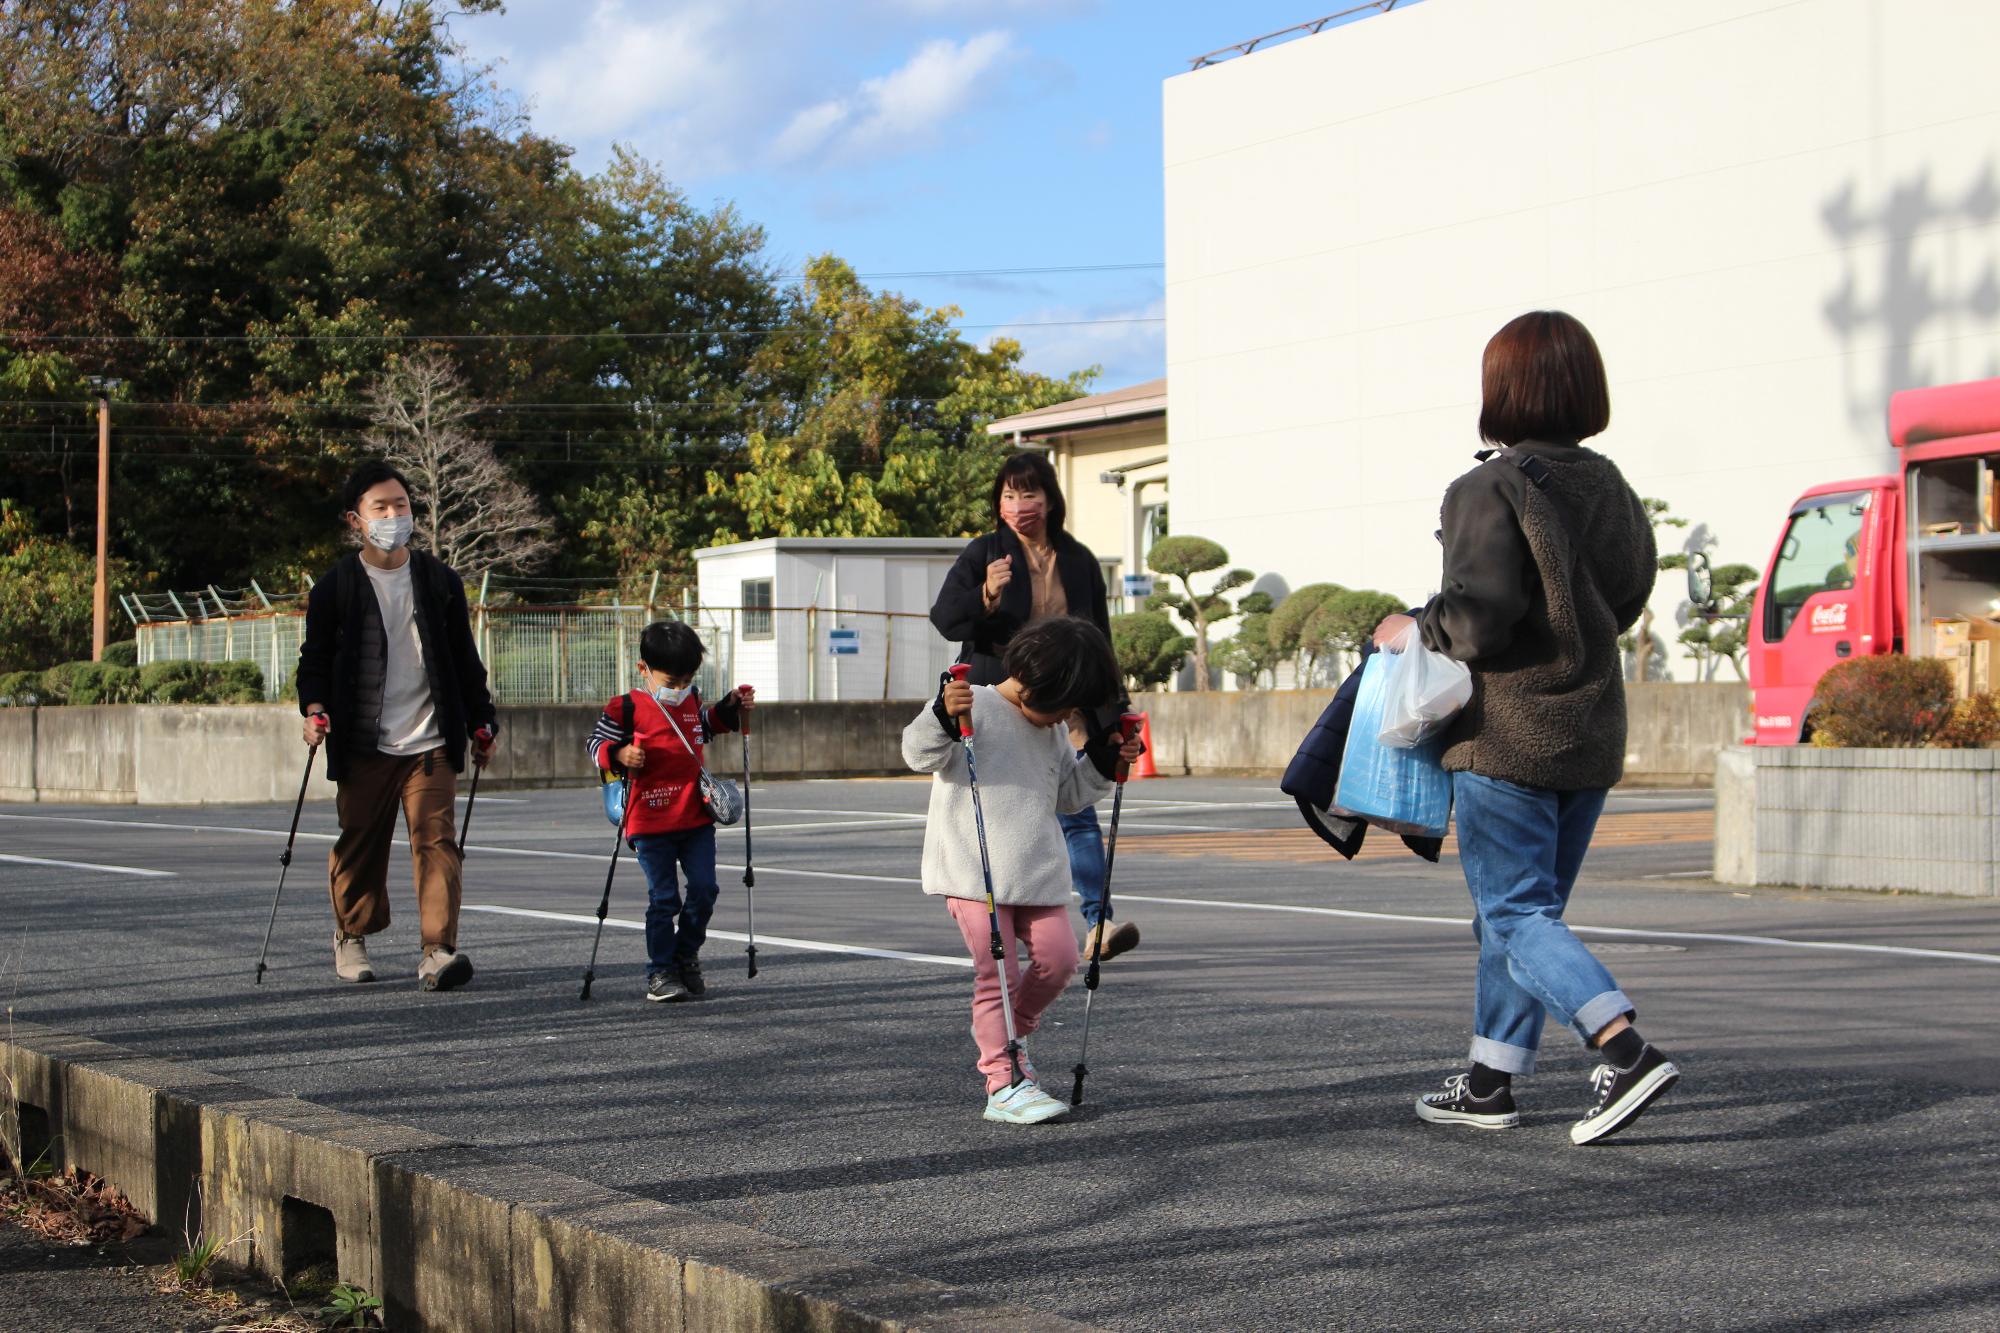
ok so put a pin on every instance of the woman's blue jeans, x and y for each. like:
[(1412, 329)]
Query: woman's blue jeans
[(1521, 849), (1086, 860), (675, 929)]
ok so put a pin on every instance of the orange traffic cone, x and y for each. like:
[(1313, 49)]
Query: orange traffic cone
[(1144, 768)]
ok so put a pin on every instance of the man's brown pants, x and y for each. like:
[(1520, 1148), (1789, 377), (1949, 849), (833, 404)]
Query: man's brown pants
[(358, 866)]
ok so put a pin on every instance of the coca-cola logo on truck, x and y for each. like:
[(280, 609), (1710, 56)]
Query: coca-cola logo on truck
[(1830, 618)]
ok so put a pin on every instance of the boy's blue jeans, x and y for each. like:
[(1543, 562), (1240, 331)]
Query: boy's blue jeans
[(675, 930), (1086, 860), (1521, 849)]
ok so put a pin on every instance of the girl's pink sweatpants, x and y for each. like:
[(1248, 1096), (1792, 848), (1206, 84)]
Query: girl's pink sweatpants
[(1052, 959)]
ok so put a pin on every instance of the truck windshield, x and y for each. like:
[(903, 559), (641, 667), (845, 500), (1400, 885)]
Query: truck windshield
[(1820, 553)]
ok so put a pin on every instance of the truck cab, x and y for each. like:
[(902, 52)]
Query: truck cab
[(1908, 563)]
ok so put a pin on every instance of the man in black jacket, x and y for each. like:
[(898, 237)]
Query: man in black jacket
[(390, 680)]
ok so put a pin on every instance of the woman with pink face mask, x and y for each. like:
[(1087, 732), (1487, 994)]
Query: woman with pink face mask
[(1029, 569)]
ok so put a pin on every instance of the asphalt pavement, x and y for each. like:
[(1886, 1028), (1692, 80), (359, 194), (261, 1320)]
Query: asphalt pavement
[(1247, 1156)]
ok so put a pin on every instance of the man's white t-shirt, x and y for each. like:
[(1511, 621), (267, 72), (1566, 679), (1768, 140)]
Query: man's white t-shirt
[(409, 718)]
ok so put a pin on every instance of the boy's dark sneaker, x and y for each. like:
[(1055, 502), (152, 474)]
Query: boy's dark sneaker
[(1622, 1094), (691, 977), (663, 986), (1455, 1105)]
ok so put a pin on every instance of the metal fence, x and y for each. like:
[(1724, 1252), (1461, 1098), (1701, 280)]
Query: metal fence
[(576, 654)]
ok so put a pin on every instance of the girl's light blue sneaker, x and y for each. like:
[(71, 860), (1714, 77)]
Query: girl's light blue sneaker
[(1024, 1104)]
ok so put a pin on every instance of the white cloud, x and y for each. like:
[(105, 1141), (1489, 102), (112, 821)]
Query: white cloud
[(666, 75), (902, 109)]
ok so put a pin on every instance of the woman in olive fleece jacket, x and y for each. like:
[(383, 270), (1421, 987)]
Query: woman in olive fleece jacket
[(1548, 557)]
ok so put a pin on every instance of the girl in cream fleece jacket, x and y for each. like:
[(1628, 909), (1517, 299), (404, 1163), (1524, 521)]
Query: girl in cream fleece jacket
[(1028, 773)]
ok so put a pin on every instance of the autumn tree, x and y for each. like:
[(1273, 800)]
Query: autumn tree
[(469, 511)]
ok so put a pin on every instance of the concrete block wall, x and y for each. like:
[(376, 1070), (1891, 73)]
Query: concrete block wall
[(1674, 731), (212, 754), (451, 1236), (1919, 820), (219, 754)]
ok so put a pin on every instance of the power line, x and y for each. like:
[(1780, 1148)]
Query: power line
[(29, 336), (990, 272)]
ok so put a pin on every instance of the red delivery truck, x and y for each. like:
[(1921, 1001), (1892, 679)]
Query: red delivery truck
[(1908, 563)]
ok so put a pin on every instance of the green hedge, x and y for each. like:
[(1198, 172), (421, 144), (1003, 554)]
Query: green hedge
[(107, 682)]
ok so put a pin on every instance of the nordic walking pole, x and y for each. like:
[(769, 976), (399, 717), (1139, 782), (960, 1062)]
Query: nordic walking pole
[(285, 857), (959, 673), (749, 862), (604, 903), (465, 825), (1128, 724)]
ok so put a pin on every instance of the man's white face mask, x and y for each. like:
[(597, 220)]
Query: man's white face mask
[(390, 534)]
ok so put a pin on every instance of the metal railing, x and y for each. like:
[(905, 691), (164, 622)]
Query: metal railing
[(587, 653), (1221, 54)]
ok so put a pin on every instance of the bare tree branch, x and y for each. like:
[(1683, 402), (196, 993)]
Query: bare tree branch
[(470, 511)]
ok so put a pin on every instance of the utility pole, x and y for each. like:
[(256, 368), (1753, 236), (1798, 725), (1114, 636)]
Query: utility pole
[(100, 594)]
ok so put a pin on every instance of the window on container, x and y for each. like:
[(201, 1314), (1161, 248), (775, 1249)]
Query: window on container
[(1820, 553), (757, 616)]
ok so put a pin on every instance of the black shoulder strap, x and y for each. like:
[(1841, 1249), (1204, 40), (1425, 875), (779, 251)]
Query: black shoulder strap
[(628, 717), (1537, 471)]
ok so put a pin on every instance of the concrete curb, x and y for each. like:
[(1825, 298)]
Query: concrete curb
[(451, 1236)]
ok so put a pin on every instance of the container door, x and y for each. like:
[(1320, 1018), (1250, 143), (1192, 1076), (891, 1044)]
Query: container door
[(1815, 608)]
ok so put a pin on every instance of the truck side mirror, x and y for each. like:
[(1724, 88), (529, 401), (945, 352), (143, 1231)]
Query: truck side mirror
[(1701, 584)]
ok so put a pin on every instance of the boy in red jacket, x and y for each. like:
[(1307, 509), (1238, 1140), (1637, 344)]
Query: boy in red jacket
[(666, 820)]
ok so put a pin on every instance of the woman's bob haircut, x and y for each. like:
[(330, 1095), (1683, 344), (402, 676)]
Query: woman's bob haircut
[(1030, 470), (1542, 379)]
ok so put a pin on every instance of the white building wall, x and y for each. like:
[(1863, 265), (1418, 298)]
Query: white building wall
[(1770, 215), (851, 584)]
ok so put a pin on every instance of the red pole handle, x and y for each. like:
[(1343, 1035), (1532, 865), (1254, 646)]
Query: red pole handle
[(958, 673), (1128, 727), (745, 694)]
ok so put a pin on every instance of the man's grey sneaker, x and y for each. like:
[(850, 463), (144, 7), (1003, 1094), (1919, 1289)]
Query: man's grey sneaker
[(350, 959), (690, 969), (1622, 1094), (664, 986), (1455, 1105), (444, 969), (1024, 1104)]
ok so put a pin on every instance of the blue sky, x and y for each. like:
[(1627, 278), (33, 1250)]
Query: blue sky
[(903, 135)]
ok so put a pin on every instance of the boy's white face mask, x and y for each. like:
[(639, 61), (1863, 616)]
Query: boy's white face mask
[(670, 697)]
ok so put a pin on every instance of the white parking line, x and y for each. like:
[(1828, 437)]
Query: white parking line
[(87, 865), (780, 941), (1463, 923), (1460, 923)]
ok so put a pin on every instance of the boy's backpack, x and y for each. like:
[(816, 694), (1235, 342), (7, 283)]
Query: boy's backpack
[(616, 787)]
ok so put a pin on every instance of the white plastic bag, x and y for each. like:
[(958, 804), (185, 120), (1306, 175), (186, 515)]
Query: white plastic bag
[(1402, 789), (1423, 692)]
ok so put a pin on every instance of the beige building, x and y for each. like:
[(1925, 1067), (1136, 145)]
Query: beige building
[(1110, 456), (1772, 216)]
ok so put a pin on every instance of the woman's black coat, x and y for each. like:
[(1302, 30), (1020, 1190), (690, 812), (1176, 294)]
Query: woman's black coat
[(960, 610)]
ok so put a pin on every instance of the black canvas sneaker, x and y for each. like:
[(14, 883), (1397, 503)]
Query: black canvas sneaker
[(691, 978), (1622, 1094), (663, 986), (1455, 1105)]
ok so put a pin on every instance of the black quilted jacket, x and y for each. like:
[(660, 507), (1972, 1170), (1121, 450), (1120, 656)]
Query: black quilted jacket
[(345, 656)]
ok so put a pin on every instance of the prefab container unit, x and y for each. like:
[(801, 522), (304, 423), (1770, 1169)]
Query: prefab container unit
[(1771, 216), (830, 617)]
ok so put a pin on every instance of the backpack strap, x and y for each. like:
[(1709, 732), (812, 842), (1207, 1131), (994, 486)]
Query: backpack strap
[(1536, 469), (628, 717)]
